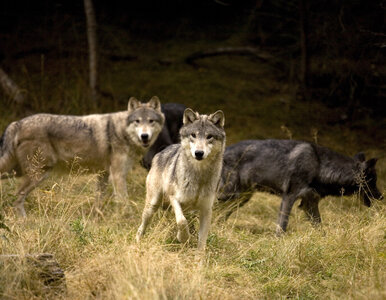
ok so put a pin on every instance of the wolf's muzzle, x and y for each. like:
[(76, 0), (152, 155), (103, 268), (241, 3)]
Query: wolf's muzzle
[(199, 155), (144, 137)]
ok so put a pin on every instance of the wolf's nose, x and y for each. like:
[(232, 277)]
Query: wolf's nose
[(144, 137), (199, 154)]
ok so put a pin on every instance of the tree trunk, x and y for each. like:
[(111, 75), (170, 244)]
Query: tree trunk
[(92, 45), (304, 58), (11, 88)]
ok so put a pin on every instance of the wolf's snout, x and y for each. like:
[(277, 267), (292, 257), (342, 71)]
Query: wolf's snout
[(144, 137), (199, 154)]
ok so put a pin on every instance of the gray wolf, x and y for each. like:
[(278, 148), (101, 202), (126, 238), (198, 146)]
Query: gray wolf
[(108, 143), (186, 175), (169, 134), (294, 169)]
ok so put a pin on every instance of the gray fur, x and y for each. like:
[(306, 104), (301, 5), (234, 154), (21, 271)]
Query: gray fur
[(109, 143), (294, 169), (186, 175)]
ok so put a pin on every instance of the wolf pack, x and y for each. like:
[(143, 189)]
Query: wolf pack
[(190, 167)]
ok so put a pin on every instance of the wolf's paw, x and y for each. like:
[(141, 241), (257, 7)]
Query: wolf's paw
[(139, 234), (182, 236), (20, 210)]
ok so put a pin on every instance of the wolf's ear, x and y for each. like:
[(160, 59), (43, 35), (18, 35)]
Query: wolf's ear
[(217, 118), (189, 116), (155, 103), (133, 104), (371, 163), (360, 157)]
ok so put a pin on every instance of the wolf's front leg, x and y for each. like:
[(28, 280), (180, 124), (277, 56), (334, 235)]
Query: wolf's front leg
[(153, 200), (205, 220), (182, 223), (120, 166), (103, 180), (285, 210)]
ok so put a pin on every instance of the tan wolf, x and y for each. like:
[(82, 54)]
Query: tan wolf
[(108, 143), (186, 175)]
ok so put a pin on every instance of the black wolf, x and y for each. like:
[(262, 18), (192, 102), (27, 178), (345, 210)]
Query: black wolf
[(169, 135), (295, 169)]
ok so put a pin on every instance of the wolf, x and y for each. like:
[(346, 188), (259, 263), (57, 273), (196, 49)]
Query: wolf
[(294, 169), (186, 175), (108, 143), (170, 132)]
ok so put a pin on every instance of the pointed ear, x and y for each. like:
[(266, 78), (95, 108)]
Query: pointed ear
[(217, 118), (133, 104), (189, 116), (360, 157), (371, 163), (155, 103)]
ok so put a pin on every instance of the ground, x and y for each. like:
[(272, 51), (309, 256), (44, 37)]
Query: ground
[(344, 258)]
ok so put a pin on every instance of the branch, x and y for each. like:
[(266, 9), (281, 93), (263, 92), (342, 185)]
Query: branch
[(242, 51), (47, 268)]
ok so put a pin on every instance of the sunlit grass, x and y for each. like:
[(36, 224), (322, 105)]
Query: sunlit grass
[(345, 257)]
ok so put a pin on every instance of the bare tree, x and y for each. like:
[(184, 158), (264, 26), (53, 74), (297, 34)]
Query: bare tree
[(92, 45), (11, 88), (304, 60)]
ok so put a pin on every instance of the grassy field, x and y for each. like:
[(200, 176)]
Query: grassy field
[(344, 258)]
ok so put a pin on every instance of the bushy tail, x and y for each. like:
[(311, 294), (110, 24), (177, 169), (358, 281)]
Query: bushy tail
[(7, 149)]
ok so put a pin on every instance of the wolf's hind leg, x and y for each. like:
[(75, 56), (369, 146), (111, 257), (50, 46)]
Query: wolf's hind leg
[(120, 166), (310, 205), (26, 186), (153, 201)]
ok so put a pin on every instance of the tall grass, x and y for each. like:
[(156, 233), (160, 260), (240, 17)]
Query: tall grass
[(344, 258)]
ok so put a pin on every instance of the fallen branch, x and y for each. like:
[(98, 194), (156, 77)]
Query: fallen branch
[(242, 51), (47, 268)]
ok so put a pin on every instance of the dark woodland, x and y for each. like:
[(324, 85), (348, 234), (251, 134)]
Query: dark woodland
[(280, 70)]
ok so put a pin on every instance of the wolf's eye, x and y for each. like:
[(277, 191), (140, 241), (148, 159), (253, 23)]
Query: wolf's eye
[(193, 135), (209, 137), (137, 121), (151, 121)]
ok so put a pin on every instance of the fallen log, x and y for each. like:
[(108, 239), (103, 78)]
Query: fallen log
[(242, 51), (46, 267)]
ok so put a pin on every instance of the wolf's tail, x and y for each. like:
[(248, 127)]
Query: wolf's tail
[(7, 149)]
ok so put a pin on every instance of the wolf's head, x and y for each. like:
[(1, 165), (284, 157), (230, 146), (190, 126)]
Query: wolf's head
[(203, 136), (145, 121), (367, 179)]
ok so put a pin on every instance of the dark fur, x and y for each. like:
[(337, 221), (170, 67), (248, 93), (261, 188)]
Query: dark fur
[(294, 169), (170, 132)]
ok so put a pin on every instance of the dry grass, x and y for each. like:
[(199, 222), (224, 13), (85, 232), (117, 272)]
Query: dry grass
[(345, 258), (244, 260)]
